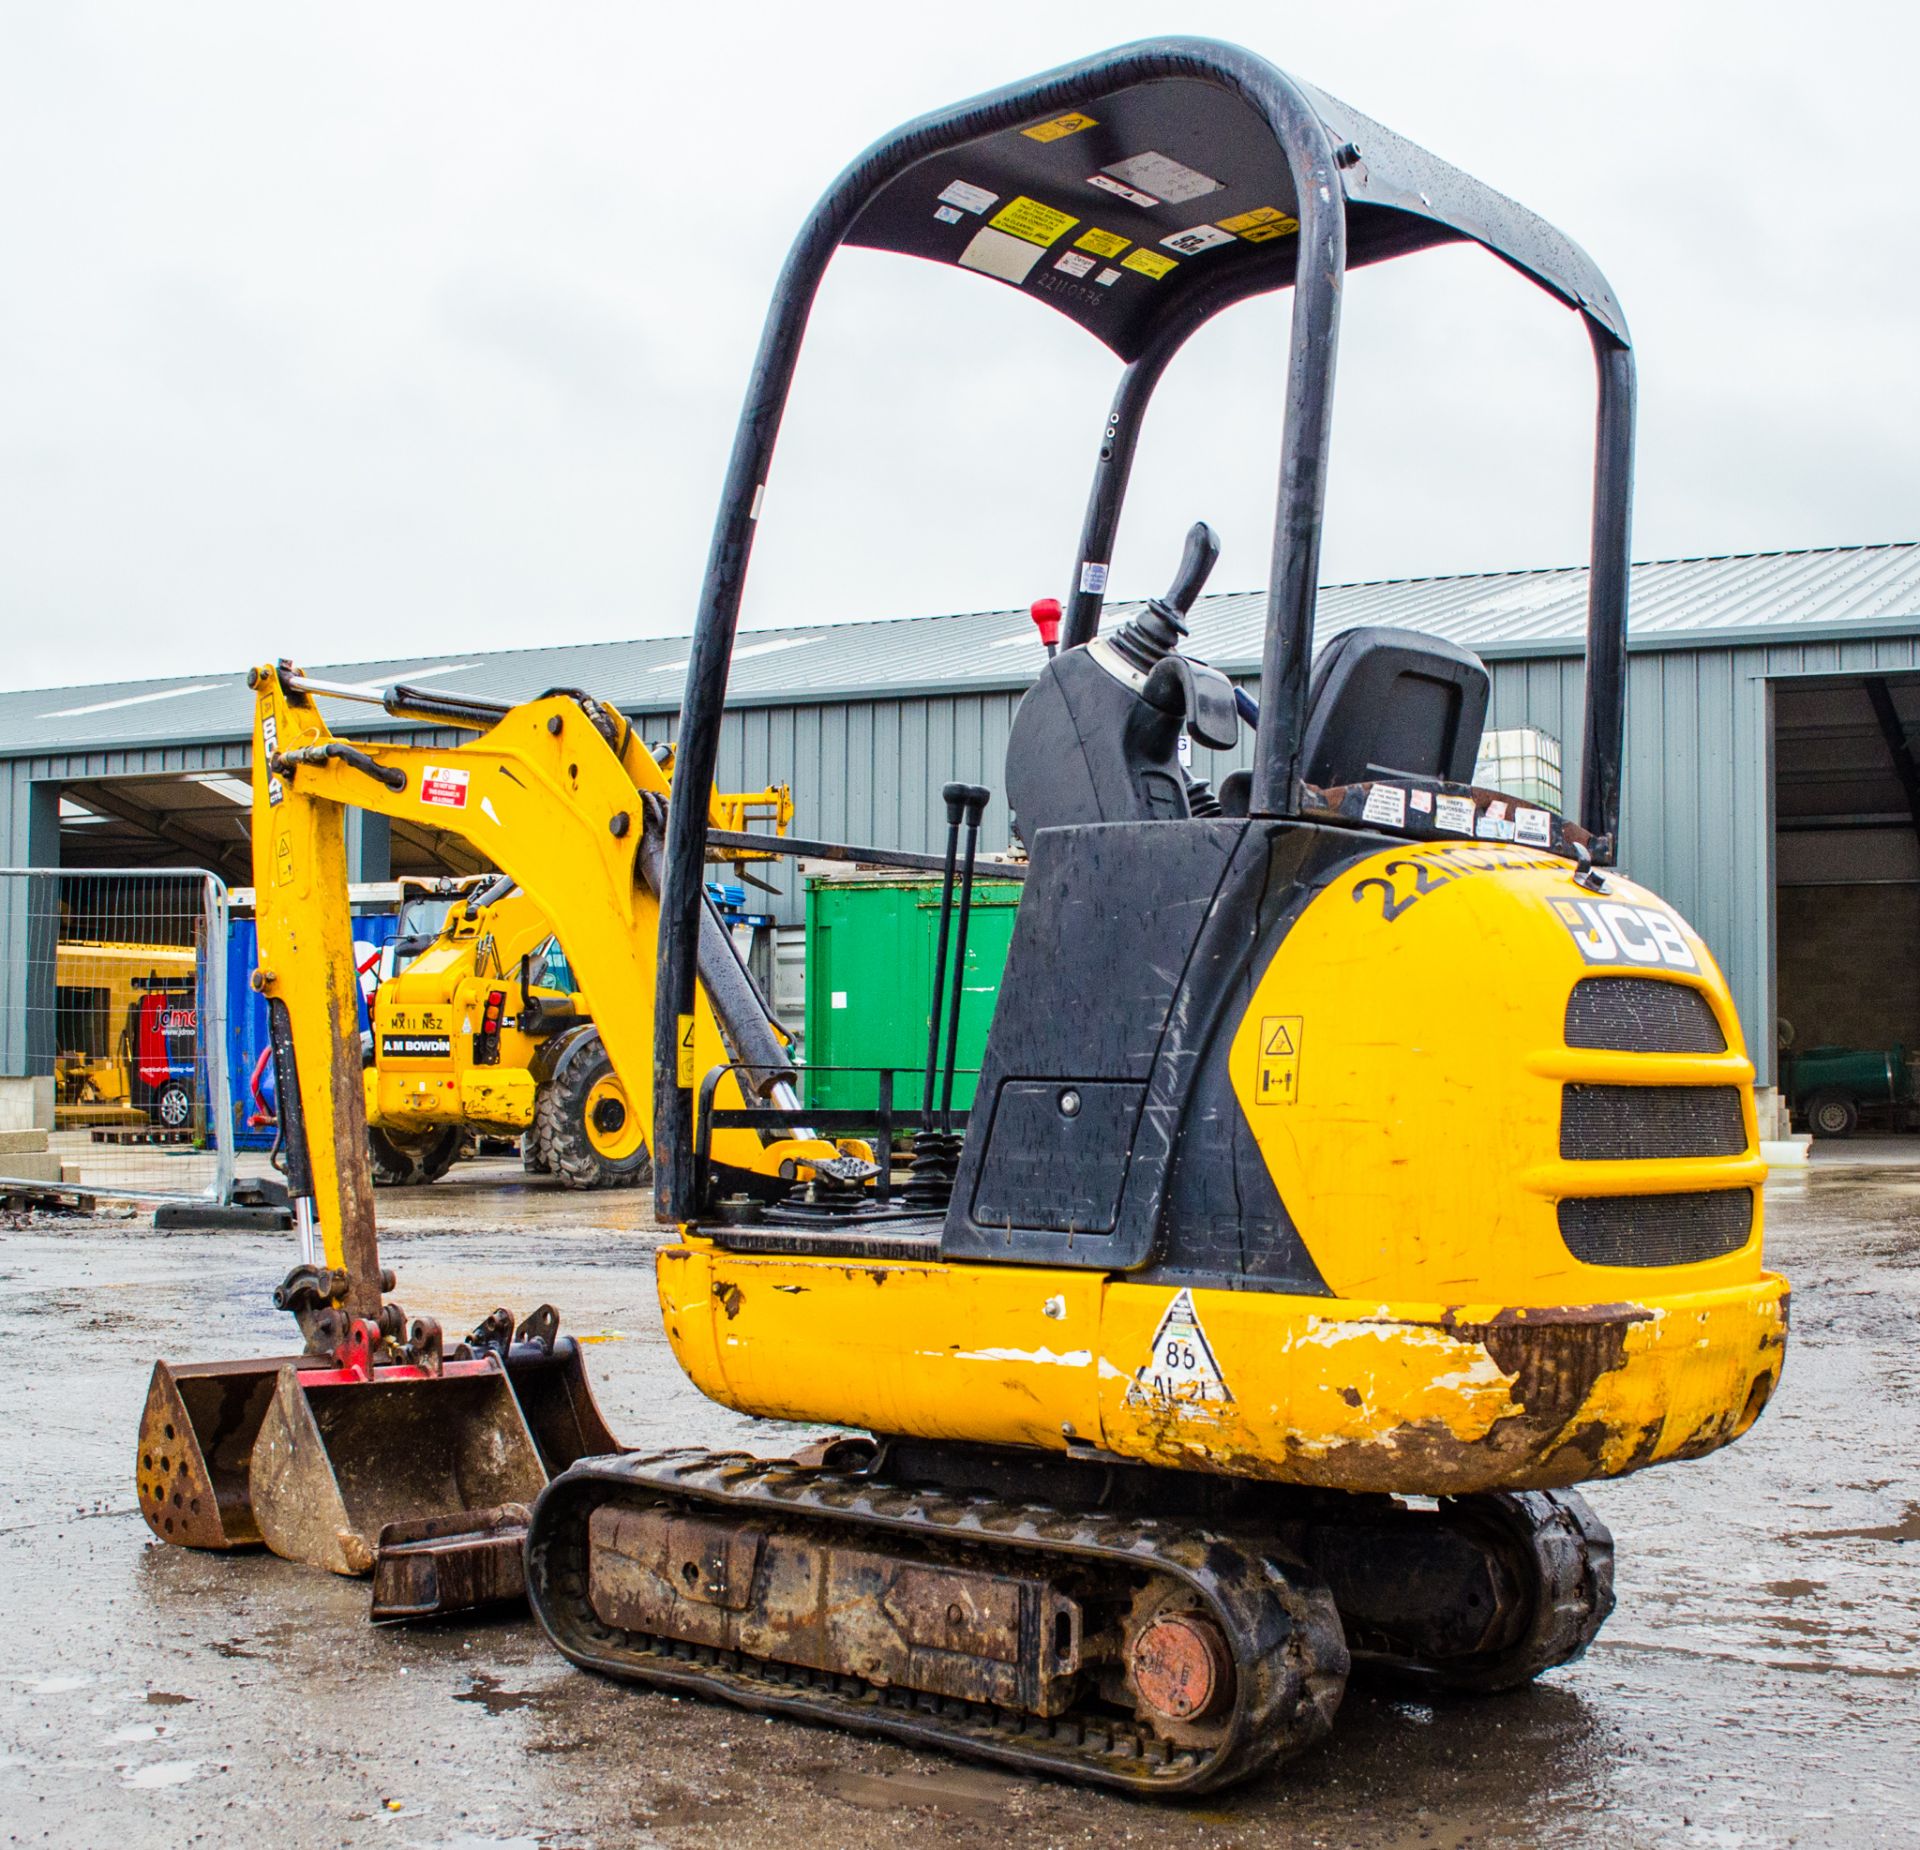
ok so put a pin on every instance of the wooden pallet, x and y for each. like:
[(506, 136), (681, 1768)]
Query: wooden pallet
[(146, 1135)]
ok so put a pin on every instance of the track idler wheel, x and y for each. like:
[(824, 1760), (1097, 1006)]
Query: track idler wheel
[(1479, 1594)]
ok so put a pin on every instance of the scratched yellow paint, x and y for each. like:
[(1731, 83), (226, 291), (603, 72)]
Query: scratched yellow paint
[(1341, 1394)]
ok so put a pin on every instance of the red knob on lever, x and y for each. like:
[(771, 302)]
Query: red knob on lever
[(1046, 619)]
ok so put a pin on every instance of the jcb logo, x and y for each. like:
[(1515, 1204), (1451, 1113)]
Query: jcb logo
[(1609, 931)]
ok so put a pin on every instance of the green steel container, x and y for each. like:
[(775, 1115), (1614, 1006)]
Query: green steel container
[(870, 946)]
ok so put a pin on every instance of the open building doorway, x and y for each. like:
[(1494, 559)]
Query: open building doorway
[(1847, 901)]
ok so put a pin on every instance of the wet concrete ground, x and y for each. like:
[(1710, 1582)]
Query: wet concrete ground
[(1759, 1684)]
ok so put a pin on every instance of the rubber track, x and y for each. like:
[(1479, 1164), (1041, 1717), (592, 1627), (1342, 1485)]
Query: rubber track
[(1553, 1540), (1289, 1652)]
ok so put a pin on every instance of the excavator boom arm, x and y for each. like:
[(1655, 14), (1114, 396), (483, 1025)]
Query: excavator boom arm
[(558, 793)]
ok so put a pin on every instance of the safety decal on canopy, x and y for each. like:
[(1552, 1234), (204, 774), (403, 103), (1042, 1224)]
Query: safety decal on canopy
[(1101, 243), (1073, 263), (1196, 238), (1163, 176), (1181, 1370), (1262, 223), (1149, 263), (444, 786), (1121, 190), (1060, 127), (1029, 219), (996, 254), (967, 197)]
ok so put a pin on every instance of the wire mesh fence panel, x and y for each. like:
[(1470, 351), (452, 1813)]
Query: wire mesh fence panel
[(113, 1043)]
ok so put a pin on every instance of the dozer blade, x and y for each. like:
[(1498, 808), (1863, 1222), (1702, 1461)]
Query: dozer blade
[(196, 1442), (451, 1563), (441, 1564), (344, 1453)]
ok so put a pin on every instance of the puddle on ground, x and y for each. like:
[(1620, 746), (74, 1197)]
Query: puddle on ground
[(489, 1693), (1907, 1529), (160, 1773)]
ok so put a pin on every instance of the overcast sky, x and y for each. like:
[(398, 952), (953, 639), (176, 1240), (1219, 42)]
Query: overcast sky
[(352, 331)]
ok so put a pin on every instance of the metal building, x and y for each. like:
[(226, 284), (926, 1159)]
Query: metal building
[(1771, 791)]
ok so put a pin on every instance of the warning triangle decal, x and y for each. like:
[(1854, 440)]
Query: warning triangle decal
[(1181, 1370), (1278, 1039)]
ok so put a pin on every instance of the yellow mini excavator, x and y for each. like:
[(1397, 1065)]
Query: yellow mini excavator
[(1359, 1160)]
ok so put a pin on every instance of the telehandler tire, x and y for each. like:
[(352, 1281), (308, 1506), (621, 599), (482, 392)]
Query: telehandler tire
[(590, 1134), (533, 1151), (410, 1165)]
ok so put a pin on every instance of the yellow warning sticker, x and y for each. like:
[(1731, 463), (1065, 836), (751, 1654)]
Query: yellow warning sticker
[(683, 1058), (1149, 263), (283, 859), (1277, 1075), (1101, 243), (1060, 127), (1029, 219), (1257, 226)]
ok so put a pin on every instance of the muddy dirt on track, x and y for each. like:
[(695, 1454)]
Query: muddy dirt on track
[(1759, 1684)]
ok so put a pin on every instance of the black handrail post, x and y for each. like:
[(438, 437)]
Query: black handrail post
[(1313, 338), (1603, 746), (883, 1182)]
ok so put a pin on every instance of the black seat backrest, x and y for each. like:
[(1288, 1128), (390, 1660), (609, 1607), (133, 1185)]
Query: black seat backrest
[(1384, 702)]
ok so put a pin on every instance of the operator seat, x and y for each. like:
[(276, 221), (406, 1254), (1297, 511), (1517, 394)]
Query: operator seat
[(1387, 703)]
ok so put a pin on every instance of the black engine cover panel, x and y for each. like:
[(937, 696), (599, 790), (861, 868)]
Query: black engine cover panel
[(1134, 959)]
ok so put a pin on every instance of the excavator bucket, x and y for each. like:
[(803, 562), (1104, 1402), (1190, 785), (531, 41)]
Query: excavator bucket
[(549, 1376), (343, 1452), (196, 1443)]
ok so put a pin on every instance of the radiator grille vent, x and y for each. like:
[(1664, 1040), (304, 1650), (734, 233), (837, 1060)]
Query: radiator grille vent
[(1651, 1230), (1640, 1014), (1612, 1124)]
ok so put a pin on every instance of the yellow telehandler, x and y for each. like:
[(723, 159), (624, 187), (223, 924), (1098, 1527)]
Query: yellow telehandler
[(483, 1032)]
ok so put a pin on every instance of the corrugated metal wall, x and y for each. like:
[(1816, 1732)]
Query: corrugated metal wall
[(1697, 824)]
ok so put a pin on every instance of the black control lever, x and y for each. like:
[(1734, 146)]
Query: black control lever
[(1178, 684), (1196, 567), (976, 801)]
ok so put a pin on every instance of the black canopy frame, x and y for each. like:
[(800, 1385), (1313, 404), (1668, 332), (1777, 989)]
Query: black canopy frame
[(1354, 192)]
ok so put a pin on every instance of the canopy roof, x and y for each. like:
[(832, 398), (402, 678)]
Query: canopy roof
[(1118, 209)]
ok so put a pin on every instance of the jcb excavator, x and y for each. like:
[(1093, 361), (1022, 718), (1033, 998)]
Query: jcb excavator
[(1359, 1159)]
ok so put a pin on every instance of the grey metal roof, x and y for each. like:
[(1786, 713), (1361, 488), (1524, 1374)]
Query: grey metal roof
[(1676, 603)]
